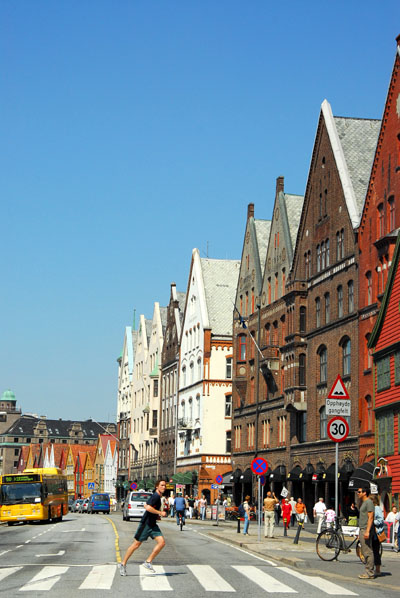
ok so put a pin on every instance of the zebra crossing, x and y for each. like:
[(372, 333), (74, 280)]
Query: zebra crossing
[(274, 580)]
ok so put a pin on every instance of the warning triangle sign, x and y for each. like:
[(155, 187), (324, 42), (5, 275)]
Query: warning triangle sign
[(338, 390)]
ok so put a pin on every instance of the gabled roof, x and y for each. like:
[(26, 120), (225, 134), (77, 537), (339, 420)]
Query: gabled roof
[(262, 229), (293, 205), (220, 279)]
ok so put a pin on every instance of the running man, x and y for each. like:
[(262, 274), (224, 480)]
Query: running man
[(148, 528)]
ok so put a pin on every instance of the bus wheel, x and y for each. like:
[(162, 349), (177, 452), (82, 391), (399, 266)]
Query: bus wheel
[(10, 523)]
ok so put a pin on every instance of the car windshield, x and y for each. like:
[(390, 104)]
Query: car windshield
[(20, 493), (100, 497), (142, 496)]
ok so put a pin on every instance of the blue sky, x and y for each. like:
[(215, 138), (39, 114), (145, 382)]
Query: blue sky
[(133, 131)]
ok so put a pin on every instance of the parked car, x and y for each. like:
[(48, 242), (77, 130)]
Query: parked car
[(99, 503), (76, 505), (71, 501), (134, 504), (84, 505)]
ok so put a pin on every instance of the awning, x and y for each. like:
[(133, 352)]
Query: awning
[(295, 474), (329, 475), (319, 475), (346, 470), (235, 478), (279, 474), (150, 484), (247, 476), (362, 475), (308, 472), (184, 478), (141, 485)]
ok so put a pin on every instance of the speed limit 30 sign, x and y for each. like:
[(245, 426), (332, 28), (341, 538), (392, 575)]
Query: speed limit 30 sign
[(338, 429)]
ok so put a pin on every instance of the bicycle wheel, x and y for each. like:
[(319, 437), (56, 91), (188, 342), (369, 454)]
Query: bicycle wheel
[(181, 522), (328, 545)]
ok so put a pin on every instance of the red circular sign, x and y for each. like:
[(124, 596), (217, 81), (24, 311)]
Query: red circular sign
[(259, 466), (133, 486), (338, 428)]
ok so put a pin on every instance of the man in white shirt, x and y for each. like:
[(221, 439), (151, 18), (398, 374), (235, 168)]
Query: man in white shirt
[(319, 512)]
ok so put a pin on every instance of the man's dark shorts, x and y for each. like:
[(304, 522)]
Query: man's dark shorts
[(145, 531)]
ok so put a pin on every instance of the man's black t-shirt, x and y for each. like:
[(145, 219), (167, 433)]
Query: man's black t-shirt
[(155, 502)]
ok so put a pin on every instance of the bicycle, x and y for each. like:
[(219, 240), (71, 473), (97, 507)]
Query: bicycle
[(331, 541), (181, 519)]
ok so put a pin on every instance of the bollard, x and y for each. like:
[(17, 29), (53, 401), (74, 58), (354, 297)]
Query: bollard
[(238, 529), (299, 528), (285, 527)]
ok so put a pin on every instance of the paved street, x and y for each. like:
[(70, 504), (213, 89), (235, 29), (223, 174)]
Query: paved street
[(80, 554)]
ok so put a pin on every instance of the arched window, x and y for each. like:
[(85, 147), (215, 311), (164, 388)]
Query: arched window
[(242, 347), (190, 409), (346, 355), (368, 354), (323, 364), (318, 258), (392, 214), (198, 406), (191, 372), (327, 308), (350, 296), (340, 301), (322, 423), (381, 220), (327, 254), (199, 376), (184, 375), (268, 334), (183, 409), (275, 340), (368, 413)]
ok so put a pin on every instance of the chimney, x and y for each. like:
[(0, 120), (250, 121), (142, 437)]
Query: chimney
[(280, 184), (250, 211)]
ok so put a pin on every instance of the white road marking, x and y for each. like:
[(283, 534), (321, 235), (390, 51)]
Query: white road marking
[(5, 552), (265, 581), (260, 558), (27, 541), (100, 578), (59, 553), (322, 584), (6, 572), (210, 579), (44, 580), (157, 582)]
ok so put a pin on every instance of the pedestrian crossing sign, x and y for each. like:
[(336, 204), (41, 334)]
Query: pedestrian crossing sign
[(338, 390)]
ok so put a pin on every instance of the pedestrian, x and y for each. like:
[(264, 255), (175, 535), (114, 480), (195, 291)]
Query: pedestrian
[(378, 529), (196, 508), (148, 528), (171, 499), (292, 503), (191, 506), (319, 512), (301, 511), (352, 514), (366, 522), (269, 514), (246, 507), (330, 517), (277, 511), (203, 507), (180, 508), (391, 520), (286, 512), (398, 531)]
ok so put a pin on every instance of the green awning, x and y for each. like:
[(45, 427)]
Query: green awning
[(183, 478), (150, 484), (141, 485)]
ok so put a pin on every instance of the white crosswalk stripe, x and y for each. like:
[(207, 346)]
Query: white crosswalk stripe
[(102, 577)]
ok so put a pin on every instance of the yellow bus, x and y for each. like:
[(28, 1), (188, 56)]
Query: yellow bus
[(34, 495)]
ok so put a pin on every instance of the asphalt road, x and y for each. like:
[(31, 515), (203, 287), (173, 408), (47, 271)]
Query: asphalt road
[(78, 556)]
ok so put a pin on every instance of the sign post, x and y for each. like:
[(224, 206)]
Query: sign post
[(338, 430), (219, 480), (259, 467)]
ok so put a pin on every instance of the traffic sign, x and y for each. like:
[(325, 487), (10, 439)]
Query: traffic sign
[(263, 479), (259, 466), (214, 486), (338, 390), (90, 485), (219, 479), (133, 486), (338, 429), (338, 407)]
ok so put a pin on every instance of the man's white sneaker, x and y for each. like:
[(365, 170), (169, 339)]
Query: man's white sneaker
[(149, 566), (122, 569)]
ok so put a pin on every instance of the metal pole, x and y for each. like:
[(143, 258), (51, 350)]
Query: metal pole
[(337, 479), (257, 376), (259, 509)]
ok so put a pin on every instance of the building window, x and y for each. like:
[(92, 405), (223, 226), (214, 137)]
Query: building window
[(318, 258), (340, 245), (368, 413), (323, 365), (228, 442), (397, 367), (282, 430), (155, 388), (242, 347), (199, 376), (392, 214), (350, 295), (302, 369), (266, 424), (250, 435), (346, 348), (154, 422), (184, 376), (323, 256), (340, 301), (228, 368), (383, 374), (322, 423), (303, 320), (228, 405), (301, 426), (327, 308), (385, 423), (318, 312), (369, 287), (381, 220), (238, 434), (327, 253)]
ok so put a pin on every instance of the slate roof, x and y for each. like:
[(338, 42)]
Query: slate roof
[(358, 137), (163, 317), (294, 206), (263, 228), (57, 428), (220, 279)]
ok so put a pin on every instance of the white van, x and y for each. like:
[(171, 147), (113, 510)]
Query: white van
[(134, 504)]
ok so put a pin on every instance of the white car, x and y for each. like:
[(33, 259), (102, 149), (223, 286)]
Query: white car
[(134, 504)]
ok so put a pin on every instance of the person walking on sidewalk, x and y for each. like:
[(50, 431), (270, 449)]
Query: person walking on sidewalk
[(269, 514), (246, 507), (319, 512), (292, 503), (366, 523), (148, 528), (286, 512), (301, 511), (203, 507)]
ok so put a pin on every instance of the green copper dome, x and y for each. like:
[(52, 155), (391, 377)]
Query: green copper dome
[(8, 395)]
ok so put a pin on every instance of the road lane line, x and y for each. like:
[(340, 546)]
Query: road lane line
[(44, 580), (59, 553), (225, 543), (99, 578), (157, 582), (210, 579), (319, 582), (265, 581), (117, 549), (6, 572), (5, 552)]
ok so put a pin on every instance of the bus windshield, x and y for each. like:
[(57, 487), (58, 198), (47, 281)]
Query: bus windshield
[(12, 494)]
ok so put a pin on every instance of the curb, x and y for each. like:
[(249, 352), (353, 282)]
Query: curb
[(117, 549)]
